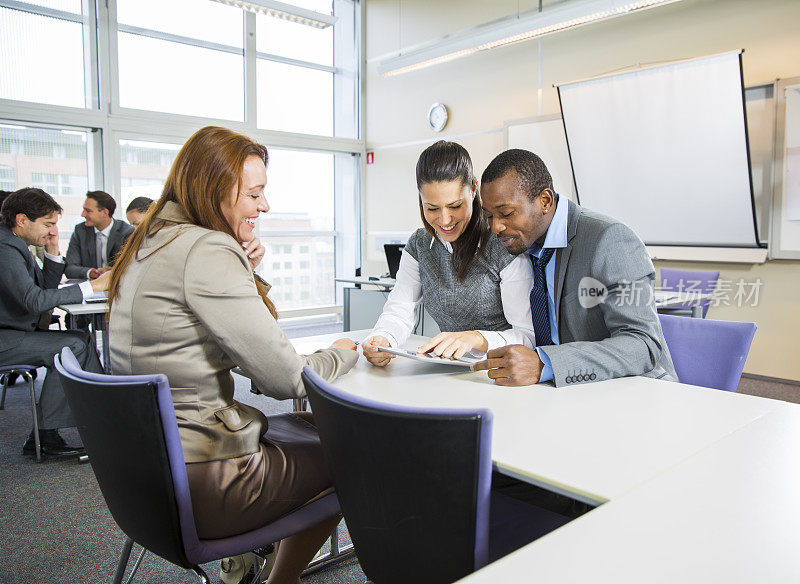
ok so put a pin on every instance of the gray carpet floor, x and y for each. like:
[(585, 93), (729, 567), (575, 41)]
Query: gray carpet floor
[(55, 526)]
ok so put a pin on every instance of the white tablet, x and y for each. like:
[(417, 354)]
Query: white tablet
[(468, 359)]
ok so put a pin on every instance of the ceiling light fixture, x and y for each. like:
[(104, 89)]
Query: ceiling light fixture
[(525, 27), (284, 11)]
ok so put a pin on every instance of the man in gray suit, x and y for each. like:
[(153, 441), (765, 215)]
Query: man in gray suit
[(28, 294), (96, 242), (592, 298)]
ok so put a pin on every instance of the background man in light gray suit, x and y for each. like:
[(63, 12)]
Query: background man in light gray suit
[(592, 299), (27, 296), (96, 242)]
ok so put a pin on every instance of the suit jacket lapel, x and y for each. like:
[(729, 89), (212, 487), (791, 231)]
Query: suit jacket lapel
[(91, 247), (562, 259), (37, 272)]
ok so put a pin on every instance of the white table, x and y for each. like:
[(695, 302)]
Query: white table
[(696, 485), (97, 311), (592, 441), (730, 514)]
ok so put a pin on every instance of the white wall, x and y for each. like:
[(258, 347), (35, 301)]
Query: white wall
[(484, 90)]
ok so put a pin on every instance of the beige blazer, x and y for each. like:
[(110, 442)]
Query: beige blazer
[(188, 308)]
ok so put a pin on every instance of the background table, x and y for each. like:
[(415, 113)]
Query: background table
[(97, 311)]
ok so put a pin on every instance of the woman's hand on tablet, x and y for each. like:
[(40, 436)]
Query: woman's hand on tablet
[(373, 355), (454, 345)]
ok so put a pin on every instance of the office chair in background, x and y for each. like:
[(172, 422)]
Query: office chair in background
[(698, 282), (709, 353)]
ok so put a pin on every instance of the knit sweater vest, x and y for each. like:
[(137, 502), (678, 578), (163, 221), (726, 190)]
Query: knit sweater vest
[(475, 303)]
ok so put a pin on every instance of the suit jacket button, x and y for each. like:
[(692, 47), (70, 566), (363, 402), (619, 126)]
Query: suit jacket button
[(593, 377)]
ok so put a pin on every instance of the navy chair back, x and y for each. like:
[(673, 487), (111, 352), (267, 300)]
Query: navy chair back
[(709, 353), (413, 484), (690, 281), (128, 426), (120, 423)]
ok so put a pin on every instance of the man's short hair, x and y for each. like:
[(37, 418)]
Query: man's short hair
[(533, 174), (31, 202), (141, 204), (104, 201)]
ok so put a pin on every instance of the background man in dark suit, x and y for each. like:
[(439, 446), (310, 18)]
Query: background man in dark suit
[(27, 296), (96, 242)]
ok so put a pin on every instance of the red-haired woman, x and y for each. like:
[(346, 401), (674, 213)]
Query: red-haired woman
[(184, 302)]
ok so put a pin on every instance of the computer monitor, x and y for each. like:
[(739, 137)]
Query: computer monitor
[(393, 252)]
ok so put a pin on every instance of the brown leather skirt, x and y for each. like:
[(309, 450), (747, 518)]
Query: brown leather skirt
[(236, 495)]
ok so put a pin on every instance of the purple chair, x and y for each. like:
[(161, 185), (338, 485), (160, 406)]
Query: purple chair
[(709, 353), (415, 487), (27, 373), (128, 426), (698, 282)]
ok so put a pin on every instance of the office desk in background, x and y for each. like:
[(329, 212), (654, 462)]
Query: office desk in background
[(694, 484), (97, 310), (363, 305)]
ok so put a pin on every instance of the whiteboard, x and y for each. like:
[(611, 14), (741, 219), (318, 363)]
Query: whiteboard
[(544, 135), (664, 150), (785, 233)]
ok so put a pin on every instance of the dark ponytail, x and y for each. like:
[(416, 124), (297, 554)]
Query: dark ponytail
[(447, 162)]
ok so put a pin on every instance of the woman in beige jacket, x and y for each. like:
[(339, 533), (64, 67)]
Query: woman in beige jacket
[(185, 302)]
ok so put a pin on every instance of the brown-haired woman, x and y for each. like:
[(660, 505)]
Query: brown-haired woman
[(184, 302), (473, 288)]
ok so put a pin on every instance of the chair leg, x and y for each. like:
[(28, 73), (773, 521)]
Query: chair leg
[(198, 571), (6, 377), (123, 560), (266, 559), (29, 378), (136, 566)]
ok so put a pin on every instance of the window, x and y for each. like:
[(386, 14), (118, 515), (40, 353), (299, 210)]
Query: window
[(166, 60), (56, 161), (8, 178), (59, 77), (144, 167), (310, 66), (128, 81)]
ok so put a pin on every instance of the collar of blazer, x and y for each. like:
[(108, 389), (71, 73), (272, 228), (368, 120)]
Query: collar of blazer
[(10, 238), (562, 255)]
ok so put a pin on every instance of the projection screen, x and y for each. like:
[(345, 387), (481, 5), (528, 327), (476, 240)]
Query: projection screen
[(664, 150)]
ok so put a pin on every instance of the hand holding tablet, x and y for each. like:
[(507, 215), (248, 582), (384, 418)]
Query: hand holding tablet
[(468, 359)]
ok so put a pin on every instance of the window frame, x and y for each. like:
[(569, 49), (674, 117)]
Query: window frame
[(108, 122)]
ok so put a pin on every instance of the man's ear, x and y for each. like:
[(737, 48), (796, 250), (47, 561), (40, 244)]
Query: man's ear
[(21, 220), (547, 197)]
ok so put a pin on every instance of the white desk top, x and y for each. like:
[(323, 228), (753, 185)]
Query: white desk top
[(85, 308), (380, 282), (731, 514), (592, 441)]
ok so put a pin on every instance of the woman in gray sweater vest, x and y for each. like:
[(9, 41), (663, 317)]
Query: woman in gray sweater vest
[(474, 289)]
